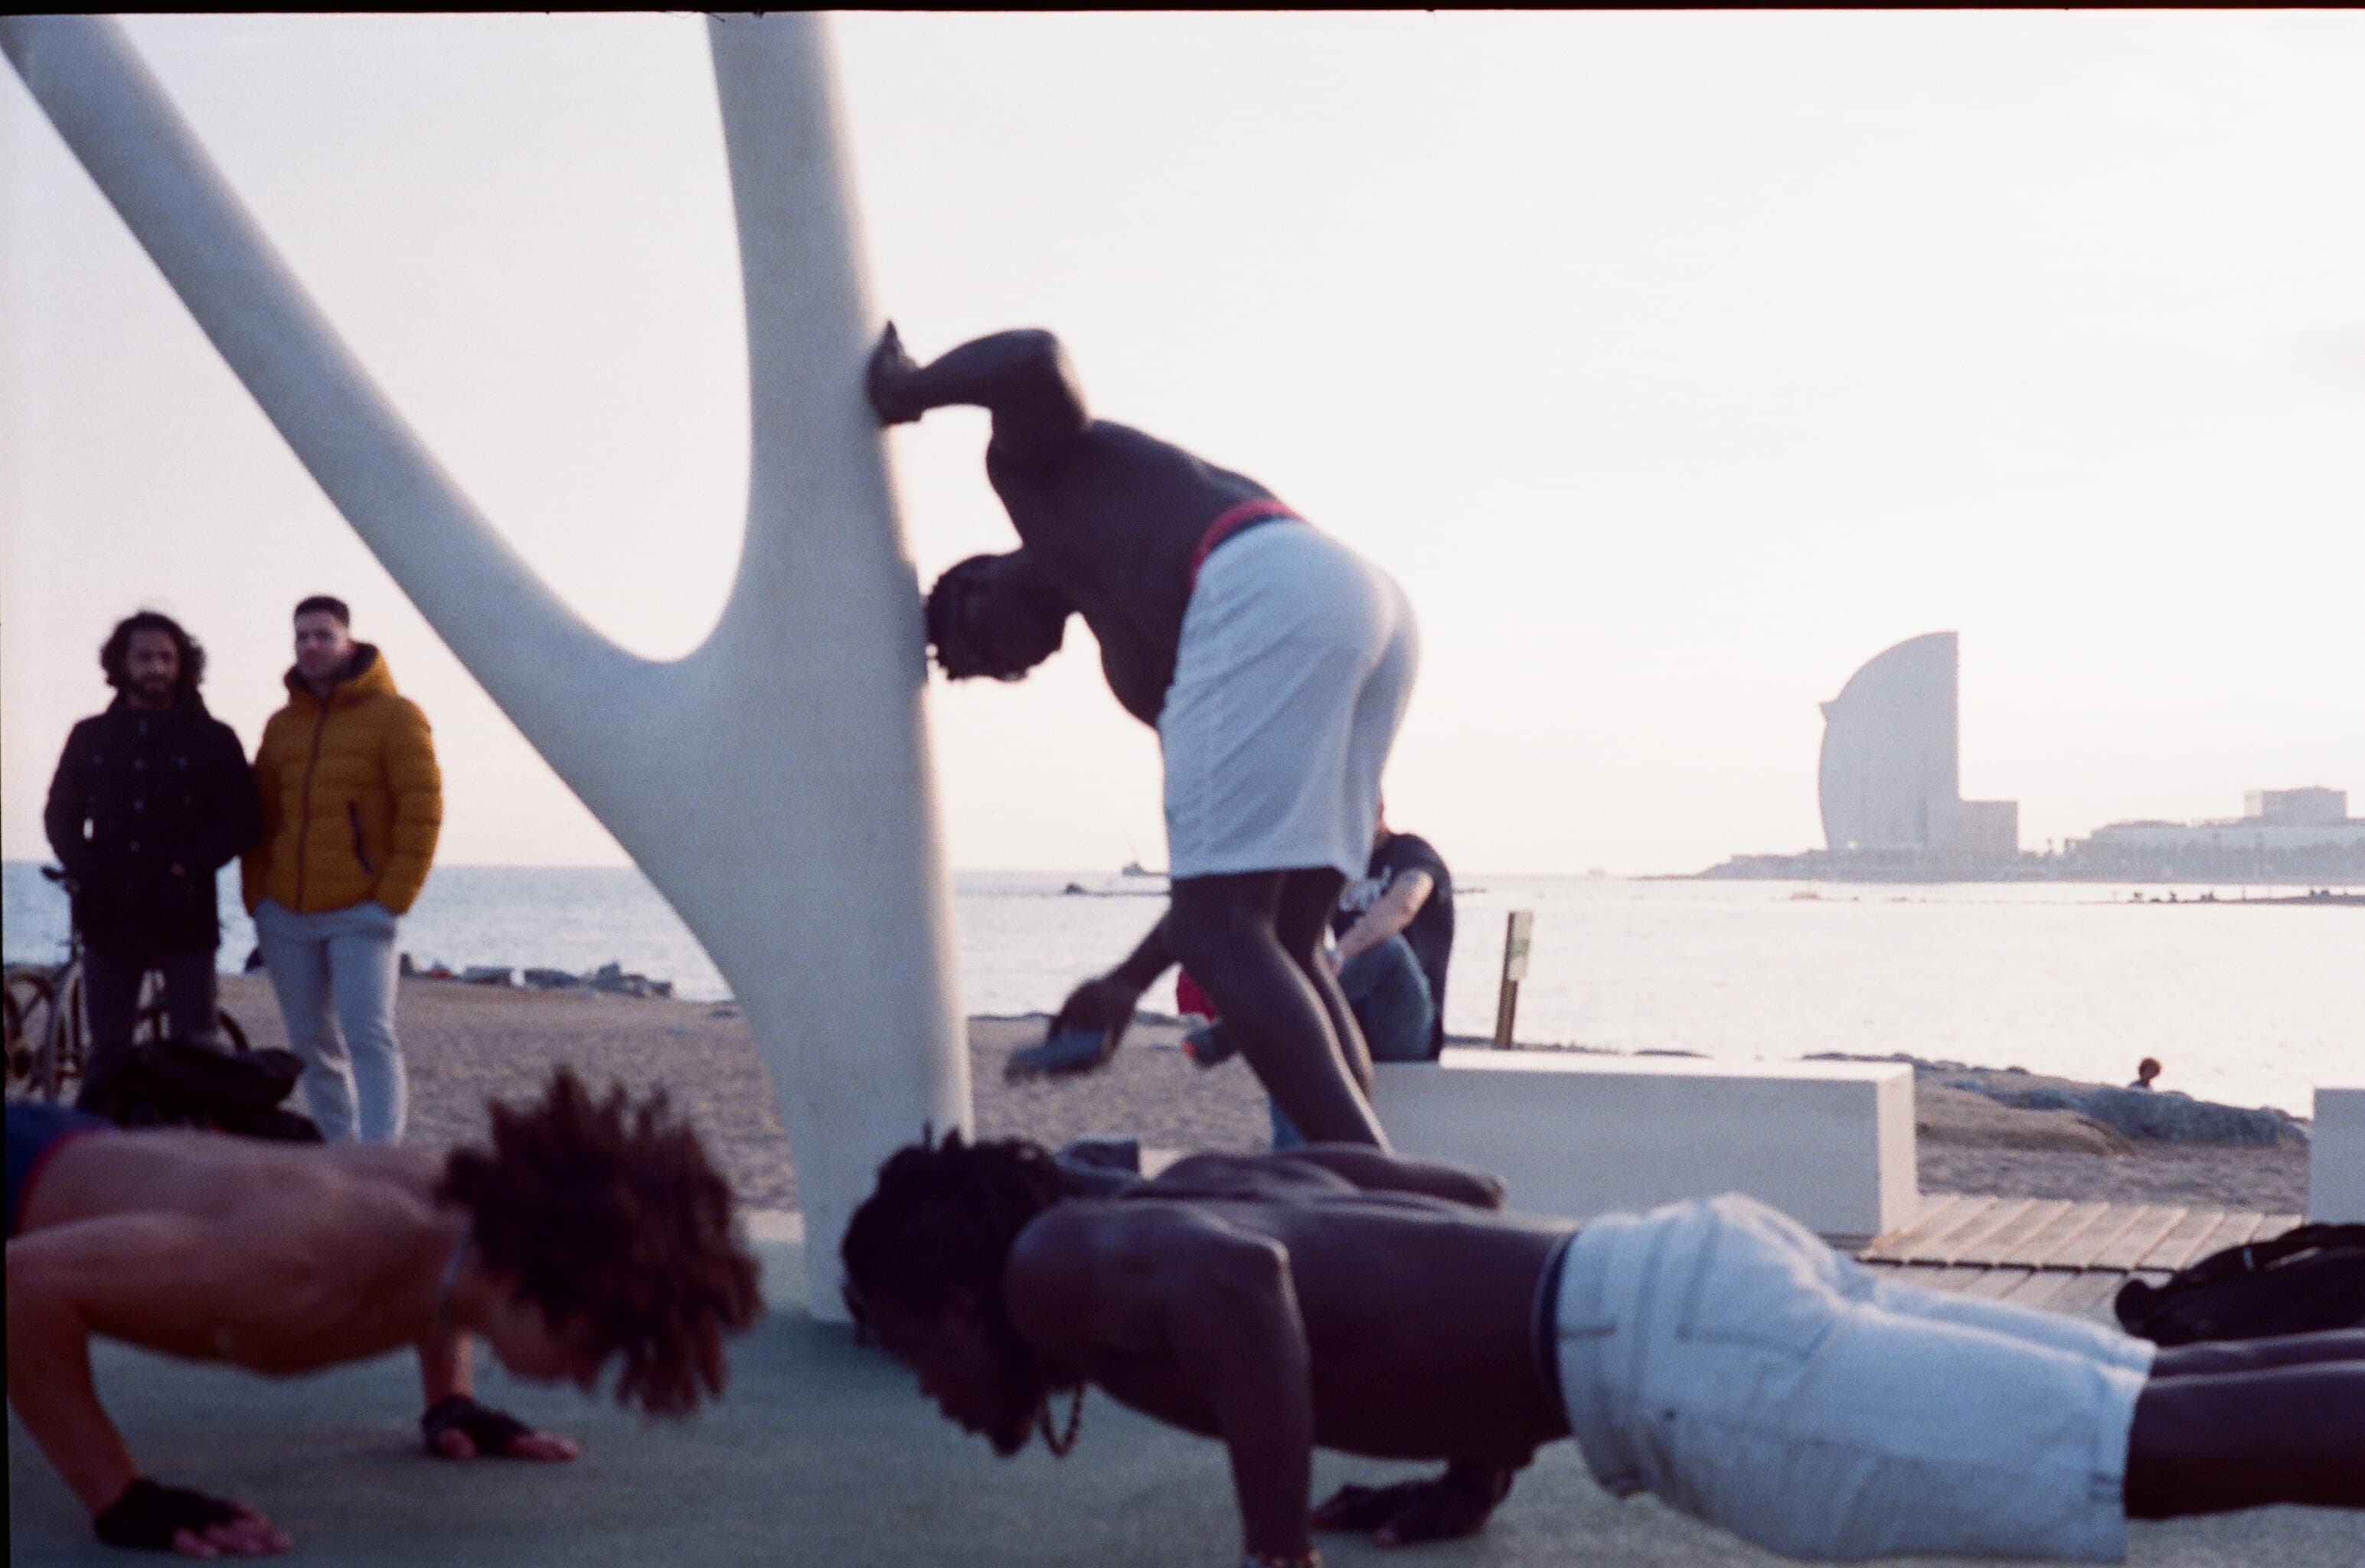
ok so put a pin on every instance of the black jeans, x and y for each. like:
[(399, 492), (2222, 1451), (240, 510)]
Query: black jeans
[(110, 989)]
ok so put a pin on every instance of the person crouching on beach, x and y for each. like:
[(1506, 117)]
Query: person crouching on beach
[(590, 1232), (1273, 662), (1712, 1352)]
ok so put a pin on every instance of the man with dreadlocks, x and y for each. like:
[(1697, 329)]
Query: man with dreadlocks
[(1273, 662), (1713, 1352), (591, 1231)]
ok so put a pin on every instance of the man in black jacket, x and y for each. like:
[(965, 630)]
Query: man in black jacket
[(150, 799)]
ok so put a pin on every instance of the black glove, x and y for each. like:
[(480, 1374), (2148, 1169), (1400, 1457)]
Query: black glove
[(148, 1515), (487, 1427), (1446, 1507)]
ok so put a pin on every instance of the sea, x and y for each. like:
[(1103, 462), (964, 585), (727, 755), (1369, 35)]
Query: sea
[(2246, 1005)]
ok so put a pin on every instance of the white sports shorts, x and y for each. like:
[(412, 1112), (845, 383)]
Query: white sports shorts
[(1720, 1355), (1296, 660)]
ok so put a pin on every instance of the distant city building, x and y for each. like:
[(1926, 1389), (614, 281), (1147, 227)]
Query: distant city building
[(1890, 788), (2315, 805), (1890, 781), (2283, 832)]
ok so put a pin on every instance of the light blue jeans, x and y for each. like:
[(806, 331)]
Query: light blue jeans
[(1389, 996), (1720, 1355), (333, 972)]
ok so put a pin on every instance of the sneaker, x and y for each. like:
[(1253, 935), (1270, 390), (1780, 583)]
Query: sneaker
[(1070, 1050)]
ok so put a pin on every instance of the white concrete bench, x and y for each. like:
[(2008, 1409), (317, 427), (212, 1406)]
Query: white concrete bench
[(2335, 1156), (1830, 1144)]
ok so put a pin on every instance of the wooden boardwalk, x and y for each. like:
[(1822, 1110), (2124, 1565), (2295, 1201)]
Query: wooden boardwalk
[(2068, 1257)]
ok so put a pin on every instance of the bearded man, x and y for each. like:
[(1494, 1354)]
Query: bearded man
[(150, 799)]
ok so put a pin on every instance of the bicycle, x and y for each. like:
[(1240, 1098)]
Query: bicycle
[(47, 1039)]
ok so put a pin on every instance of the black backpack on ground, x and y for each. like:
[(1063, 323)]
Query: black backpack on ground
[(2304, 1281), (174, 1083)]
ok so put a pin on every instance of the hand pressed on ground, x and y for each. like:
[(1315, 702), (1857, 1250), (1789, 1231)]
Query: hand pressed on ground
[(459, 1427), (1105, 1006), (248, 1535), (1443, 1507), (545, 1446)]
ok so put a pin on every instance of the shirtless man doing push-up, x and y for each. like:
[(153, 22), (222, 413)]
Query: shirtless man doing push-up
[(1713, 1352), (591, 1231)]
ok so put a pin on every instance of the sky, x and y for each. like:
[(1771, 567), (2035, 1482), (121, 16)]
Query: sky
[(1675, 362)]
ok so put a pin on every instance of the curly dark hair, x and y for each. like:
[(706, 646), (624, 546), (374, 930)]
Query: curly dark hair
[(114, 653), (1021, 612), (609, 1213), (945, 1214)]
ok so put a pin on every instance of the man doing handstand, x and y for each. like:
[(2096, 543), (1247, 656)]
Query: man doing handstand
[(1273, 662), (591, 1231), (1713, 1352)]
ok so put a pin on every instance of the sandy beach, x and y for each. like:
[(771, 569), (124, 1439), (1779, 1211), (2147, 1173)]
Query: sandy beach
[(469, 1044)]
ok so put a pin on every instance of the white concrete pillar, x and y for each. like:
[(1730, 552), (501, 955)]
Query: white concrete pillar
[(775, 784), (2335, 1156)]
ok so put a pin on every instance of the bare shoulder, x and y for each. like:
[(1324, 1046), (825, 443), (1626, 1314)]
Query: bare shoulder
[(1101, 1274), (323, 1239), (255, 1273), (1244, 1176), (1057, 1260), (335, 1194), (174, 1170), (412, 1170)]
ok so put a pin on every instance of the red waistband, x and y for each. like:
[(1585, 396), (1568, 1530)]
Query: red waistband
[(1231, 520)]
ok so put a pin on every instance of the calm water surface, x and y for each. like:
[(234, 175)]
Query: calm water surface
[(2253, 1006)]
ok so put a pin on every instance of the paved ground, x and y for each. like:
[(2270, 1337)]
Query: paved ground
[(825, 1454)]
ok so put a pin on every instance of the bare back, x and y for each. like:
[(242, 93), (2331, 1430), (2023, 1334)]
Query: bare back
[(276, 1257), (1419, 1313), (1116, 520), (1111, 516), (208, 1176)]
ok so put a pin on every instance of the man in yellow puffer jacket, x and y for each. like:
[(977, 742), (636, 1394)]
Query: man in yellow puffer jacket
[(352, 804)]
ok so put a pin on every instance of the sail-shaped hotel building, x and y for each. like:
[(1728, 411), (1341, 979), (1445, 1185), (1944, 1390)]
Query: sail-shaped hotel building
[(1891, 780)]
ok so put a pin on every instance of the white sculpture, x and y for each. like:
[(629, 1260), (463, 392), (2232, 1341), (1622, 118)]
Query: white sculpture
[(775, 784)]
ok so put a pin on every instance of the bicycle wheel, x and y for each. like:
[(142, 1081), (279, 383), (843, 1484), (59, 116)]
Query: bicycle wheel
[(14, 1049), (29, 993), (68, 1047), (31, 998)]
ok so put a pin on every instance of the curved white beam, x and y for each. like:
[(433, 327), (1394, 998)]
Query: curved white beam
[(774, 784), (115, 117)]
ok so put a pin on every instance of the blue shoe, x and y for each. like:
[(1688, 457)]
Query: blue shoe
[(1210, 1045), (1069, 1051)]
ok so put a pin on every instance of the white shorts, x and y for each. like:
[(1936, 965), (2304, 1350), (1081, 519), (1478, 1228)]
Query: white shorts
[(1296, 660), (1716, 1354)]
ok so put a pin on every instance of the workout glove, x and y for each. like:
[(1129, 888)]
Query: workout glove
[(148, 1515), (487, 1427)]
